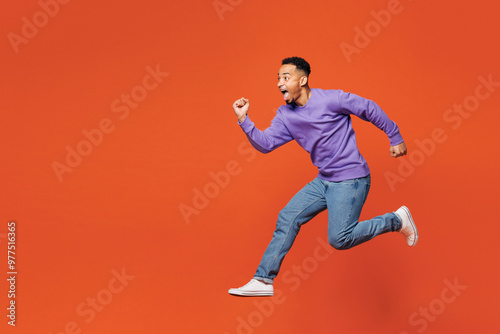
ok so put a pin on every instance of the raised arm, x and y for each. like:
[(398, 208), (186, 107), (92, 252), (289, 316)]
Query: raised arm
[(264, 141)]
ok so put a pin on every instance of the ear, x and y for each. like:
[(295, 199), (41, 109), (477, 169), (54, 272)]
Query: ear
[(303, 80)]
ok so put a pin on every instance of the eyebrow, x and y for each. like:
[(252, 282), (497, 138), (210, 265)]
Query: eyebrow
[(285, 73)]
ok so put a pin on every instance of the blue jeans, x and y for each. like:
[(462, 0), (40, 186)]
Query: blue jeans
[(344, 201)]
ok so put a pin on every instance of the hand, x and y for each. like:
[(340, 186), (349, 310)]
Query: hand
[(240, 108), (398, 150)]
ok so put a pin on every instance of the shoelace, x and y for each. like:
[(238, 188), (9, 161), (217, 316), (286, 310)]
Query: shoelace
[(252, 281)]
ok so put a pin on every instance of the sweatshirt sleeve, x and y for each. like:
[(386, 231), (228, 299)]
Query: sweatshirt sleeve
[(369, 111), (269, 139)]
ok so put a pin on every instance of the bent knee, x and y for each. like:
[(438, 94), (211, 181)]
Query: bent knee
[(339, 243)]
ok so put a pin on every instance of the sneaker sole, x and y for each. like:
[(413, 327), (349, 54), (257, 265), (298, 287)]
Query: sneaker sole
[(251, 293), (407, 211)]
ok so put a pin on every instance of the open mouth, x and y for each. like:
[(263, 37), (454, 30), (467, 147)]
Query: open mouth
[(285, 93)]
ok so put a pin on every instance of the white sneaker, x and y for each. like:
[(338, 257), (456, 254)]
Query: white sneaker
[(408, 228), (254, 288)]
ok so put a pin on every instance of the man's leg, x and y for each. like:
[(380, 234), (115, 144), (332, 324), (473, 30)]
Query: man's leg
[(306, 204), (345, 200)]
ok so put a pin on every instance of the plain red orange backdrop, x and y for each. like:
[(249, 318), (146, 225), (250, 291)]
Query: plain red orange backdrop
[(119, 208)]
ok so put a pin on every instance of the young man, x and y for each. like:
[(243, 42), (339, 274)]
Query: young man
[(319, 120)]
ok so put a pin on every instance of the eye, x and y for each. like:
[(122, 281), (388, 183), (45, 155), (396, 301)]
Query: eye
[(286, 78)]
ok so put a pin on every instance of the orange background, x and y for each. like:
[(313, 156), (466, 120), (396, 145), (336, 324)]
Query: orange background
[(120, 208)]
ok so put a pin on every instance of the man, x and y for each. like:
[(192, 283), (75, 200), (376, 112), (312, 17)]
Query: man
[(319, 120)]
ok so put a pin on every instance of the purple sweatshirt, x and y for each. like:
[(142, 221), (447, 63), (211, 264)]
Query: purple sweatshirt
[(323, 128)]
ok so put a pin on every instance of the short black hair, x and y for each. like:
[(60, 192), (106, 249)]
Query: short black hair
[(299, 62)]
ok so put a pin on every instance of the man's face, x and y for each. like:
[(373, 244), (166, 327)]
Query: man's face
[(289, 82)]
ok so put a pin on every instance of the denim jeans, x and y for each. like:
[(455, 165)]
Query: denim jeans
[(344, 201)]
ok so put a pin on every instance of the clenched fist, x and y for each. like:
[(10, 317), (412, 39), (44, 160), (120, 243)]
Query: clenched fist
[(240, 108), (398, 150)]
